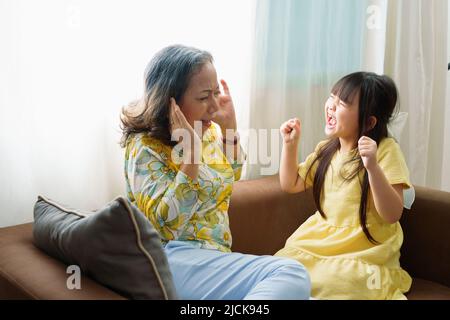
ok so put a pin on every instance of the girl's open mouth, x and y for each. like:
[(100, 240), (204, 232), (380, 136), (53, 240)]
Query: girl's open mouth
[(331, 121)]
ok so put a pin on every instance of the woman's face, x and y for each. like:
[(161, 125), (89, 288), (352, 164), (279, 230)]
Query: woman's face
[(342, 118), (201, 99)]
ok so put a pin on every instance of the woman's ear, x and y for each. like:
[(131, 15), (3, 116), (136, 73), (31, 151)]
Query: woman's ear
[(372, 122)]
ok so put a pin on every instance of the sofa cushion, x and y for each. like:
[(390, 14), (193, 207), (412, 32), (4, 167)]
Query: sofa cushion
[(117, 246)]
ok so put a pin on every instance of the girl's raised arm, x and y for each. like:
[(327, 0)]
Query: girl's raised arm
[(290, 180)]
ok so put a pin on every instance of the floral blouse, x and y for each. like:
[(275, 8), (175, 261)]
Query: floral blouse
[(179, 207)]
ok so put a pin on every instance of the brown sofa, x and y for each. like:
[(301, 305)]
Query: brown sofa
[(261, 217)]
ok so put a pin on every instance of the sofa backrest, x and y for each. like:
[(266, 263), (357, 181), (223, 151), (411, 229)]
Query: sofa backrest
[(262, 216)]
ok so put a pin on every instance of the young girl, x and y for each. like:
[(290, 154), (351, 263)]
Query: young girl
[(351, 245)]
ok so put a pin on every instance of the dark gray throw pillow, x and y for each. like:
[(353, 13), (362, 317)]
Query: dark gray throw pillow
[(117, 246)]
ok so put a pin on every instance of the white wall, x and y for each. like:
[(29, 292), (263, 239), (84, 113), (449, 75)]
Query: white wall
[(67, 67)]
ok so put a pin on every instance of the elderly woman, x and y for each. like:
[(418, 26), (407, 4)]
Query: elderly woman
[(185, 193)]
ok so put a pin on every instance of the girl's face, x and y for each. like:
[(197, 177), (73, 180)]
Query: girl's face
[(342, 118), (201, 99)]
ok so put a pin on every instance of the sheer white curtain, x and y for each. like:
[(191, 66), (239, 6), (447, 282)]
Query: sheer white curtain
[(66, 69), (416, 57), (446, 161), (303, 47)]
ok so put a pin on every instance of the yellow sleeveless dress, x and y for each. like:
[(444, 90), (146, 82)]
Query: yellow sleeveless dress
[(342, 262)]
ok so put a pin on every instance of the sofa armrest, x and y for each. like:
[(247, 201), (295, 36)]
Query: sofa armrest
[(26, 272), (426, 248), (262, 216)]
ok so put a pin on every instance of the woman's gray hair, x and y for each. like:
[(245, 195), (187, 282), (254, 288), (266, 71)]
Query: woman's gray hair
[(167, 75)]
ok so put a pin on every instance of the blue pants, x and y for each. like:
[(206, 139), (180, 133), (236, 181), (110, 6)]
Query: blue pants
[(211, 274)]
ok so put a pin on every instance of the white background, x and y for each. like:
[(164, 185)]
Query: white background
[(66, 69)]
